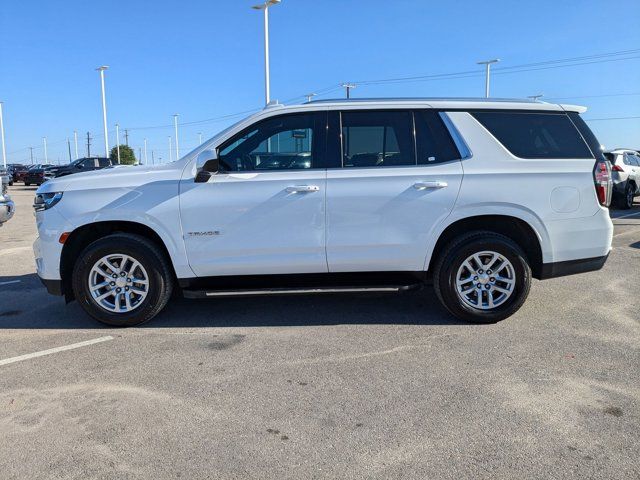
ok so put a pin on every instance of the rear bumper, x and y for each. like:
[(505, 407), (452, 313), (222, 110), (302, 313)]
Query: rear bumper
[(571, 267), (54, 287)]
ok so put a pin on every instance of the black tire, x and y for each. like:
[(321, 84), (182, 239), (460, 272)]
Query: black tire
[(461, 248), (626, 201), (27, 184), (153, 260)]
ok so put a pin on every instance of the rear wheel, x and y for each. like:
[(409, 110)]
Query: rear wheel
[(122, 280), (626, 201), (482, 277)]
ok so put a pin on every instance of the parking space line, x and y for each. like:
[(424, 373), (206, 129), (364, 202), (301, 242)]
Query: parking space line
[(42, 353), (625, 216), (10, 282)]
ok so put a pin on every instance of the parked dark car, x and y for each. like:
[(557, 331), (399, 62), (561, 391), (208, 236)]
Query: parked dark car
[(19, 172), (35, 174), (86, 164), (12, 170)]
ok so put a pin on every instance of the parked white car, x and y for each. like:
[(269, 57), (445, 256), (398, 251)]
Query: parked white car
[(7, 207), (473, 196)]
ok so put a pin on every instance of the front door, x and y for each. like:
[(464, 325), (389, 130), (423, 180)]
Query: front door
[(399, 175), (264, 212)]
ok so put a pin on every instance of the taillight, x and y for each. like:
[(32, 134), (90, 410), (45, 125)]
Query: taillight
[(617, 168), (603, 184)]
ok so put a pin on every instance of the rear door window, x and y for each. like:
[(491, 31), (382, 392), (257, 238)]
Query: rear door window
[(535, 134), (376, 138), (433, 141)]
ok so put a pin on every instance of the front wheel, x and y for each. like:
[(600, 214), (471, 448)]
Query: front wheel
[(482, 277), (122, 280)]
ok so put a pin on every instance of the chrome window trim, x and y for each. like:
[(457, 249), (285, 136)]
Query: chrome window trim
[(458, 139)]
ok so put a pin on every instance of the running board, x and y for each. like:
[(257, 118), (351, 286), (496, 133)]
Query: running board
[(298, 291)]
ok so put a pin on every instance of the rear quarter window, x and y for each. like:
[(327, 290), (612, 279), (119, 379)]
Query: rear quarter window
[(535, 134)]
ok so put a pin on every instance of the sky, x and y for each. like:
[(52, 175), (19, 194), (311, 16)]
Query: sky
[(204, 60)]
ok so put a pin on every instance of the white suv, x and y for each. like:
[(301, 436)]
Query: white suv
[(473, 196)]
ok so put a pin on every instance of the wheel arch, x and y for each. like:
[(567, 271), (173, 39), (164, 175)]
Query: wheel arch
[(86, 234), (517, 229)]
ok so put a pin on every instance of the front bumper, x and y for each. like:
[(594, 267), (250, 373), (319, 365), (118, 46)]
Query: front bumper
[(7, 208), (54, 287)]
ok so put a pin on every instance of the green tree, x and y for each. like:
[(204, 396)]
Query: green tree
[(127, 156)]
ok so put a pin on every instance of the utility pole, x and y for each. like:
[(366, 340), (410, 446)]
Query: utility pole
[(140, 154), (4, 150), (487, 64), (46, 156), (175, 124), (88, 144), (170, 150), (145, 151), (126, 137), (31, 154), (535, 97), (348, 87), (265, 8), (200, 137), (153, 160), (310, 96), (69, 146), (118, 142), (75, 141)]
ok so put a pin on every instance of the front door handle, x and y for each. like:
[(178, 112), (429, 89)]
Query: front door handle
[(302, 188), (426, 185)]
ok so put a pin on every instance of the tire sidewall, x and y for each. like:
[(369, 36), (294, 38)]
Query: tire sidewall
[(135, 249)]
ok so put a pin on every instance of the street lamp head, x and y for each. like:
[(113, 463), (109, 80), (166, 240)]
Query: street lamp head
[(266, 4), (103, 67), (486, 62)]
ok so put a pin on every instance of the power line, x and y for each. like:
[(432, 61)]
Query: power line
[(609, 118)]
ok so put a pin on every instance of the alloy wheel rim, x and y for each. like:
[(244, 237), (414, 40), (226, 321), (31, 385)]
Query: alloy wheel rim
[(118, 283), (485, 280)]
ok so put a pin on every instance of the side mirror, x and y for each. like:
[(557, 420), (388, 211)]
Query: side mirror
[(207, 165)]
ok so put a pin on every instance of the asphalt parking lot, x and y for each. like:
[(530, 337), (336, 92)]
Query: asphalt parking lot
[(344, 386)]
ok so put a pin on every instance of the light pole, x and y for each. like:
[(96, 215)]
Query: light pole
[(487, 64), (118, 141), (75, 141), (310, 96), (535, 97), (31, 154), (4, 150), (200, 137), (348, 87), (46, 157), (175, 125), (145, 151), (104, 110), (265, 8), (170, 150)]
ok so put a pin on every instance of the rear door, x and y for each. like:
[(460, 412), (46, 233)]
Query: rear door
[(397, 175)]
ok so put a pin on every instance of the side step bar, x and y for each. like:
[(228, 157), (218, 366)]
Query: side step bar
[(298, 291)]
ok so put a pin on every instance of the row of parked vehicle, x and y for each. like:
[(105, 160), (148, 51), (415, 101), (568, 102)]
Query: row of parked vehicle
[(41, 172), (625, 173)]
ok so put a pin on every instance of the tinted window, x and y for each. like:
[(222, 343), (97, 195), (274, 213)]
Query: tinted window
[(433, 141), (587, 134), (535, 135), (104, 162), (279, 143), (635, 161), (377, 139), (626, 159)]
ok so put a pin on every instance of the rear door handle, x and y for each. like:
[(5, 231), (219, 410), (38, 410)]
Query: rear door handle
[(426, 185), (302, 188)]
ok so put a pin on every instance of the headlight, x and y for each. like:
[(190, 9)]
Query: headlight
[(44, 201)]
